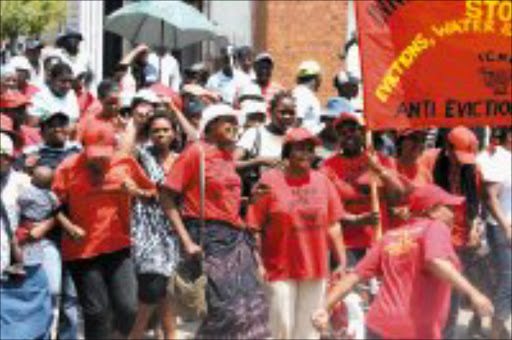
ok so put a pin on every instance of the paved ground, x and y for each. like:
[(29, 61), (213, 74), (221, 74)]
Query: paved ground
[(186, 330)]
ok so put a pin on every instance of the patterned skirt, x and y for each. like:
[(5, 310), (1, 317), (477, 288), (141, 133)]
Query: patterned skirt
[(237, 305), (155, 245)]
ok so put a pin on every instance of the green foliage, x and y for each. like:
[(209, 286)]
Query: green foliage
[(30, 17)]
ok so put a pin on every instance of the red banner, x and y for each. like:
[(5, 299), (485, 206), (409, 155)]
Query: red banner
[(436, 63)]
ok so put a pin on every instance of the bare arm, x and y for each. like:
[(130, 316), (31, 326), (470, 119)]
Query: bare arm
[(342, 288), (191, 132), (492, 191), (129, 58), (168, 202), (76, 232), (444, 270), (40, 229), (338, 244)]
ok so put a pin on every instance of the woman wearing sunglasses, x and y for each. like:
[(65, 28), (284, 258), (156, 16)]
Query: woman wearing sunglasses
[(296, 211), (236, 303)]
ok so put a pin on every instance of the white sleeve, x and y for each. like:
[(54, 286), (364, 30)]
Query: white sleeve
[(248, 139), (39, 106), (301, 104)]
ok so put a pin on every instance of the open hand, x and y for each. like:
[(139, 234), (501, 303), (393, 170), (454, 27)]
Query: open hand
[(320, 321), (482, 305)]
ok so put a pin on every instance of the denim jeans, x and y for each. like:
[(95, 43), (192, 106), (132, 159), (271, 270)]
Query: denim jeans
[(107, 291), (25, 308), (63, 291), (501, 254)]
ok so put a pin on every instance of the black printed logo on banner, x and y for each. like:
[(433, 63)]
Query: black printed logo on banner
[(497, 79)]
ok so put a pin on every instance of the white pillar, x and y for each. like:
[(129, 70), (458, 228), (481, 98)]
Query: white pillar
[(91, 27)]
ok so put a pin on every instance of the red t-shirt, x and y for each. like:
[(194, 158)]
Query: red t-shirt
[(86, 101), (295, 217), (103, 211), (223, 185), (411, 303), (30, 90), (350, 175)]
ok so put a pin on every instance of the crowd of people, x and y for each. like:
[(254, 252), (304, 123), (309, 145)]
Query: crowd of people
[(108, 192)]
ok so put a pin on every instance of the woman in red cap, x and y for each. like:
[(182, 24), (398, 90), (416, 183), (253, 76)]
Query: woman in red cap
[(297, 212), (98, 186), (210, 224), (454, 169), (418, 267)]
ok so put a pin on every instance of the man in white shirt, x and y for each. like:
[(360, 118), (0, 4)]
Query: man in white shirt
[(228, 82), (56, 96), (170, 74), (496, 166), (68, 50), (309, 108)]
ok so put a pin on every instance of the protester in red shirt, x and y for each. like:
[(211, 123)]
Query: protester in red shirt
[(454, 169), (418, 267), (350, 171), (14, 104), (237, 307), (297, 215), (97, 187)]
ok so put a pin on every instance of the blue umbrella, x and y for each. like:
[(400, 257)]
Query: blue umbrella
[(162, 23)]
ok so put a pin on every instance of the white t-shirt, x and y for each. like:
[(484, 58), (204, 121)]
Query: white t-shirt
[(45, 102), (497, 168), (228, 87), (16, 184), (170, 76), (270, 145), (308, 107)]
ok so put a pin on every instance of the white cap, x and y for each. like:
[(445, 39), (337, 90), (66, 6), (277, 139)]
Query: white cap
[(215, 111), (20, 62), (309, 68), (6, 145), (7, 71), (147, 96), (250, 106), (253, 106)]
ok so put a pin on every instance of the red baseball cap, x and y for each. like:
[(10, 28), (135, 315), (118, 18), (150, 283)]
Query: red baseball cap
[(465, 144), (98, 139), (296, 135), (428, 196), (349, 116), (166, 92), (13, 99)]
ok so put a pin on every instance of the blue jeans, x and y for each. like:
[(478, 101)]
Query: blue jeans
[(25, 308), (61, 286), (501, 253)]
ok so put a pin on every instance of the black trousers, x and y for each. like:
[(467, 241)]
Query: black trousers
[(107, 291)]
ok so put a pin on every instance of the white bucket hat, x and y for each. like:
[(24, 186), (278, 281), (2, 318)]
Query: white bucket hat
[(215, 111)]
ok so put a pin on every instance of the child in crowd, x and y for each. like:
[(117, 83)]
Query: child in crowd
[(38, 203)]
